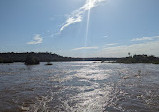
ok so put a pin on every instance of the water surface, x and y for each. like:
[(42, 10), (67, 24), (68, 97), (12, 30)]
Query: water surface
[(79, 87)]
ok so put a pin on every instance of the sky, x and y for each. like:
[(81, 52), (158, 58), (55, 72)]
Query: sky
[(80, 28)]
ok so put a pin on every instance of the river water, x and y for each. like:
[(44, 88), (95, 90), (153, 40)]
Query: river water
[(79, 87)]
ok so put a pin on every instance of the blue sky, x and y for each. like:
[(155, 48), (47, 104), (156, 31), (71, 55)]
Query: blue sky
[(80, 28)]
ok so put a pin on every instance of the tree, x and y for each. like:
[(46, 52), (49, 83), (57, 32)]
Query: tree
[(30, 60), (1, 60)]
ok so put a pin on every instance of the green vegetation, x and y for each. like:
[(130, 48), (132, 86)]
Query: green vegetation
[(35, 58), (44, 57), (1, 60), (40, 56), (4, 60), (30, 60), (139, 59)]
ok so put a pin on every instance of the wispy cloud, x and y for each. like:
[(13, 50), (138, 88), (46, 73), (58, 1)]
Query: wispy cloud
[(112, 44), (77, 15), (142, 48), (37, 39), (145, 38), (84, 48), (105, 36)]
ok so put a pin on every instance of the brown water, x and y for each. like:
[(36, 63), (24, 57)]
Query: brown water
[(79, 87)]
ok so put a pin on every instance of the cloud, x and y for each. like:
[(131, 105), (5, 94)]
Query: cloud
[(145, 38), (77, 15), (145, 47), (84, 48), (112, 44), (149, 48), (105, 36), (37, 39)]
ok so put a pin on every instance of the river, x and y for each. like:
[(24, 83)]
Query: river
[(79, 87)]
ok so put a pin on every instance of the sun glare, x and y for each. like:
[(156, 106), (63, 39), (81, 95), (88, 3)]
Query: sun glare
[(88, 19)]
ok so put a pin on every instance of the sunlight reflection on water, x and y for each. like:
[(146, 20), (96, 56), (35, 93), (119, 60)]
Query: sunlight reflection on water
[(79, 86)]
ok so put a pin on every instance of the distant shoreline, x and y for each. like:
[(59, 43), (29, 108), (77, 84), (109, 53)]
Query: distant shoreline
[(44, 57), (12, 57), (139, 59)]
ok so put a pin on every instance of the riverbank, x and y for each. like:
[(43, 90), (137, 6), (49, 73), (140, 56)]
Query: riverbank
[(45, 57), (139, 59)]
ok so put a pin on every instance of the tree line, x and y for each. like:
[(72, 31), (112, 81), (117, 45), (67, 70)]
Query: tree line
[(11, 57), (139, 59), (21, 57), (35, 58)]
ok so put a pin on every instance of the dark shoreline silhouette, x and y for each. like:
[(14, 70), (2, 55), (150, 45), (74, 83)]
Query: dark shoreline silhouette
[(139, 59), (11, 57), (30, 58)]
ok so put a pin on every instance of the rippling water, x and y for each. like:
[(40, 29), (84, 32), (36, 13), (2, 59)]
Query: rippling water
[(79, 87)]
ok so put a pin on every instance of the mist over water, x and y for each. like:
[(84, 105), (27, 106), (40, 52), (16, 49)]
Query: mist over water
[(79, 87)]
